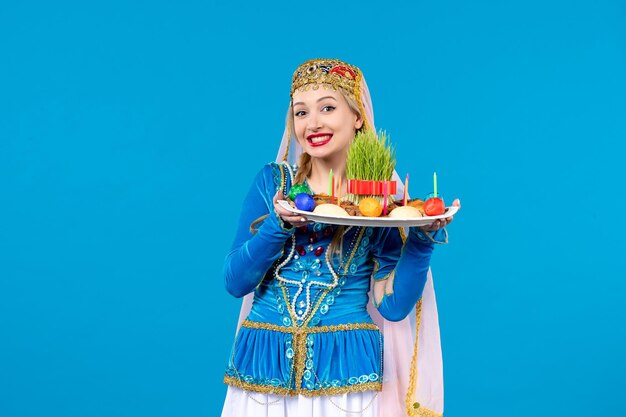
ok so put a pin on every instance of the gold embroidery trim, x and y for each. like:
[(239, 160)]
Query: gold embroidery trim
[(284, 291), (356, 246), (268, 389), (412, 408), (308, 330), (299, 357), (402, 234), (265, 389), (376, 267), (367, 386), (317, 305), (424, 412)]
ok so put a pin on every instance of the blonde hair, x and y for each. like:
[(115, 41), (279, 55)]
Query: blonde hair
[(305, 165)]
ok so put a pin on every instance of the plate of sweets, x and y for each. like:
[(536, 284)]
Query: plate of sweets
[(369, 200)]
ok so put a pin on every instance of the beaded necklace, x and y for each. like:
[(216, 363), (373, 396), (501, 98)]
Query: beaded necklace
[(301, 315)]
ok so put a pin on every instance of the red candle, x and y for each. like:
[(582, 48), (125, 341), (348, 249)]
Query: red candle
[(406, 190), (385, 198)]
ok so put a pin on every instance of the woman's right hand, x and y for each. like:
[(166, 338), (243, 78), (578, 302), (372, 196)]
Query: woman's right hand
[(288, 217)]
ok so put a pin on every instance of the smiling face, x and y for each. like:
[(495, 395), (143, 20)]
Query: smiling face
[(324, 122)]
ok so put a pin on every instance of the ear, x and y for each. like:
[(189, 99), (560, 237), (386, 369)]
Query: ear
[(358, 123)]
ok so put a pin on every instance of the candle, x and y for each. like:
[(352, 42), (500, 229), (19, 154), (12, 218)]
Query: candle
[(340, 182), (406, 190), (330, 182), (385, 198), (435, 183)]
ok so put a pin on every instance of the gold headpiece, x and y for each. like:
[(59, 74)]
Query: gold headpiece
[(333, 72)]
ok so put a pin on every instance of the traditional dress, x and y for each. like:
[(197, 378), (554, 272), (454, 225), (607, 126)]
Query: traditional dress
[(311, 341)]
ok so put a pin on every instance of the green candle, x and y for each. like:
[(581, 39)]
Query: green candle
[(435, 182), (330, 182)]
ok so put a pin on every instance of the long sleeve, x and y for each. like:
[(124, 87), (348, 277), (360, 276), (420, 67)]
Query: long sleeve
[(251, 255), (407, 267)]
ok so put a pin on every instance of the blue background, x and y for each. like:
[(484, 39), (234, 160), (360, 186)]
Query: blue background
[(130, 131)]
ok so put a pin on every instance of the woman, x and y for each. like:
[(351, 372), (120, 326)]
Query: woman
[(309, 342)]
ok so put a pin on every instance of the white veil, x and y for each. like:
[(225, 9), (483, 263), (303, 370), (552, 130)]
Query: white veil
[(413, 368)]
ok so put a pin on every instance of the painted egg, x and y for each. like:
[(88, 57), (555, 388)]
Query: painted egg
[(370, 207), (434, 206), (297, 189), (304, 202)]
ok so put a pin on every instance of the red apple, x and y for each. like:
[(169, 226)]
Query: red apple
[(434, 206)]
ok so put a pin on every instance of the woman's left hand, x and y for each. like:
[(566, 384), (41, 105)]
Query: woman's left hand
[(441, 223)]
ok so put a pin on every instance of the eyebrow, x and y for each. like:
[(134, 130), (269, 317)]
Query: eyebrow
[(318, 100)]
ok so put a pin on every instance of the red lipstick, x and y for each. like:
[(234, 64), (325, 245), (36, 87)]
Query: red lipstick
[(317, 135)]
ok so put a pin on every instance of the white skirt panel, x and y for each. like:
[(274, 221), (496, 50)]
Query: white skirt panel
[(241, 403)]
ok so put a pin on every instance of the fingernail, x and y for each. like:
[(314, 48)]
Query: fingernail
[(303, 219)]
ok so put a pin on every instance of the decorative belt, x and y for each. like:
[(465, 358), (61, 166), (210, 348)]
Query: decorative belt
[(307, 330)]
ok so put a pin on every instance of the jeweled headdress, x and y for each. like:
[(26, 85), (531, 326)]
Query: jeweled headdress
[(333, 72)]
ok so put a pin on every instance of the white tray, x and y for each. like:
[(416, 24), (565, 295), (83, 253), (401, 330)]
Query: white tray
[(370, 221)]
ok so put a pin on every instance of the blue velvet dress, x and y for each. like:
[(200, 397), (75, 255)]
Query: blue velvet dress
[(308, 331)]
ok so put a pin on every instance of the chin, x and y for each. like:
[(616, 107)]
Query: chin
[(319, 153)]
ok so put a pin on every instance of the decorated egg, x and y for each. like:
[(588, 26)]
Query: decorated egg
[(304, 202), (434, 206), (370, 207), (297, 189)]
